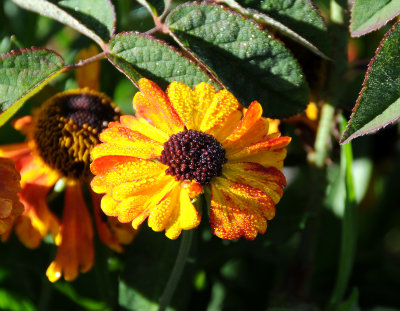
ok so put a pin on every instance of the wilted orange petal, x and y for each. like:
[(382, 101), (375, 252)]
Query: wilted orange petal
[(111, 232), (153, 104), (88, 75), (10, 205), (222, 106), (239, 210), (114, 170), (269, 180), (184, 100), (37, 219), (75, 253)]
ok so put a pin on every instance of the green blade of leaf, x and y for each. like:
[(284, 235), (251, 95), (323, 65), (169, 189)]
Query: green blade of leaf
[(23, 73), (379, 101), (138, 55), (93, 18), (245, 58), (369, 15), (349, 231), (299, 20)]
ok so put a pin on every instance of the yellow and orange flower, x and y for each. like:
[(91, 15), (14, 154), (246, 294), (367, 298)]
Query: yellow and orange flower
[(60, 137), (181, 144), (10, 206)]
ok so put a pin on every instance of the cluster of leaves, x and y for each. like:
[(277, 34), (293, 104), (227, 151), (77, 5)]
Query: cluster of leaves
[(274, 51)]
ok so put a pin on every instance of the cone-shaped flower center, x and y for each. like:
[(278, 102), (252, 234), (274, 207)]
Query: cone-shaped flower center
[(67, 129), (193, 155)]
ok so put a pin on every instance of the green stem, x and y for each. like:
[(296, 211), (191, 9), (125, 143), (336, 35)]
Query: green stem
[(323, 140), (177, 271)]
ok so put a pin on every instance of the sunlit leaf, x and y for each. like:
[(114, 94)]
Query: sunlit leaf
[(23, 73), (299, 20), (379, 102), (93, 18), (248, 60), (369, 15), (138, 55)]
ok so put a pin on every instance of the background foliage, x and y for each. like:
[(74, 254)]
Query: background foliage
[(335, 241)]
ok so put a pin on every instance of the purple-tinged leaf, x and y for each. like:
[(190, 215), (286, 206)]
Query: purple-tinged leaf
[(379, 101), (369, 15)]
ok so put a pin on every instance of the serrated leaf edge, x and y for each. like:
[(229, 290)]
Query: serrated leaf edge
[(344, 140)]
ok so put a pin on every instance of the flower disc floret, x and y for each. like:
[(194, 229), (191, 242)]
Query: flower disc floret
[(193, 155), (67, 129)]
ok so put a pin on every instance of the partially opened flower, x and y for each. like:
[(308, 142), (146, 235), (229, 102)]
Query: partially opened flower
[(60, 137), (183, 143), (10, 206)]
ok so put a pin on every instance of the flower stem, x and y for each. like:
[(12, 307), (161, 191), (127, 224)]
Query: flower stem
[(176, 273)]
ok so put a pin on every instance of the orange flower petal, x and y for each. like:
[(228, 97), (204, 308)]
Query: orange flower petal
[(114, 170), (174, 213), (269, 180), (239, 210), (120, 140), (184, 101), (222, 106), (152, 104), (76, 252), (204, 94), (144, 127), (251, 129), (137, 202), (270, 152)]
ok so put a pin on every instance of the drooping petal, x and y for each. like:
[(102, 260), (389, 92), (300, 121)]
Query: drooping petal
[(88, 75), (76, 252), (152, 104), (37, 221), (184, 101), (111, 232), (270, 152), (222, 106), (239, 210), (120, 140), (114, 170), (10, 205), (267, 179)]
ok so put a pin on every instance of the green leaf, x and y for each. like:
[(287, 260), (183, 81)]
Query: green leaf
[(14, 302), (369, 15), (245, 58), (138, 55), (351, 304), (93, 18), (379, 101), (23, 73), (299, 20)]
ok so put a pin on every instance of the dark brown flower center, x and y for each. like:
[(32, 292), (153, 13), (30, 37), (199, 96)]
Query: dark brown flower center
[(193, 155), (67, 129)]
